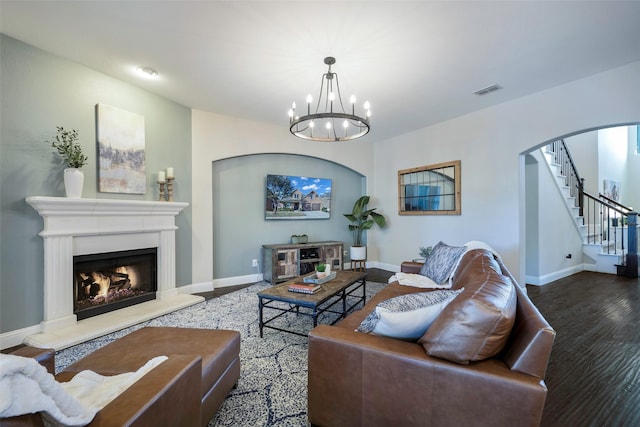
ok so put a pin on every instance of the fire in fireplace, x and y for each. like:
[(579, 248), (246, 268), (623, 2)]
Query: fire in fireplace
[(113, 280)]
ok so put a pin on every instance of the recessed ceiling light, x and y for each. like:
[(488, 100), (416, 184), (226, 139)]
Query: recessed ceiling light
[(488, 89), (147, 72)]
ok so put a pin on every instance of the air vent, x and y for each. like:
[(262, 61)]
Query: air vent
[(488, 89)]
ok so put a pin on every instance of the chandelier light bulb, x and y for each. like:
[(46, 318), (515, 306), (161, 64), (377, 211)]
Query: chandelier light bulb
[(309, 99), (352, 99), (368, 114), (311, 124), (332, 96), (328, 125), (293, 105), (345, 124), (290, 113), (367, 105)]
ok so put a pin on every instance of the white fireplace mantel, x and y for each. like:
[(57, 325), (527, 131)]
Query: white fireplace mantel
[(88, 226)]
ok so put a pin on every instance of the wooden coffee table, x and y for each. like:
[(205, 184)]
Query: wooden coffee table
[(338, 292)]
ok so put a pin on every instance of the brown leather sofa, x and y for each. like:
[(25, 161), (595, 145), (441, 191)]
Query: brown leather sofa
[(360, 379), (185, 390)]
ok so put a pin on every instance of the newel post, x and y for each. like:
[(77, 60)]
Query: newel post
[(632, 255), (581, 195)]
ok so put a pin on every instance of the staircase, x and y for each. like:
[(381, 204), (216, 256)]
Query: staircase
[(606, 226)]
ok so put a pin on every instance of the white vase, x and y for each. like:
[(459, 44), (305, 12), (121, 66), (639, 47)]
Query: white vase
[(358, 253), (73, 182)]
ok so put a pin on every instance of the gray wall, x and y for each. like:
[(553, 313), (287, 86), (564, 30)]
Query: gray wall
[(40, 91), (239, 227)]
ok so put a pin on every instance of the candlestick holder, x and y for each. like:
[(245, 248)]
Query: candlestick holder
[(170, 188), (161, 198)]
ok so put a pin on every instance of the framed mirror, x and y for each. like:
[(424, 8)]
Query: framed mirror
[(430, 190)]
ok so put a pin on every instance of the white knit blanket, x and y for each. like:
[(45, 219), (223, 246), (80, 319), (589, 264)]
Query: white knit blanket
[(420, 281), (26, 387)]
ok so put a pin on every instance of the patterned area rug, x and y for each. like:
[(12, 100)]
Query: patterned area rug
[(272, 389)]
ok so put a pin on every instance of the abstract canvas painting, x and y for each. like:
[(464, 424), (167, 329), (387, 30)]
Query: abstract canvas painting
[(121, 160), (611, 189)]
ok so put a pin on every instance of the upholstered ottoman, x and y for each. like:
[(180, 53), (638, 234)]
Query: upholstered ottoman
[(219, 349)]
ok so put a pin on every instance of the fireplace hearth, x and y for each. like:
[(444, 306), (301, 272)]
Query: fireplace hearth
[(110, 281)]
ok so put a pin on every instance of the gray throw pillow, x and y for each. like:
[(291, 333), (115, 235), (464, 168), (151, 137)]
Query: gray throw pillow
[(440, 263), (407, 316)]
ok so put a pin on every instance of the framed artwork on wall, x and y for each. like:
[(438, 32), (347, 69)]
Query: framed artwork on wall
[(611, 189), (121, 158), (297, 197), (430, 190)]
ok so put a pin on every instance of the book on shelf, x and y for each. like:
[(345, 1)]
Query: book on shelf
[(304, 288)]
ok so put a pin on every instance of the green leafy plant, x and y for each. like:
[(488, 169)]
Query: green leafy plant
[(68, 148), (363, 219), (425, 252), (321, 267)]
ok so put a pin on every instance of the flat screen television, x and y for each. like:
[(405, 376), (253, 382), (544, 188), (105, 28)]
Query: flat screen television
[(290, 197)]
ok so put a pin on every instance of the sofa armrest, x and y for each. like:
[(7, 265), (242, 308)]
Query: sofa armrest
[(411, 267), (362, 379), (169, 395)]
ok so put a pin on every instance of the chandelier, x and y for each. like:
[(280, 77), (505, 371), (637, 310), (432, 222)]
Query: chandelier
[(332, 122)]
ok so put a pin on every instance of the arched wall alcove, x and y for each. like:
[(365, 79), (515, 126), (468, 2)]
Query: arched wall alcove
[(238, 194), (550, 236)]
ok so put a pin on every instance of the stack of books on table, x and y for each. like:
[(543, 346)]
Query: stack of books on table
[(304, 288)]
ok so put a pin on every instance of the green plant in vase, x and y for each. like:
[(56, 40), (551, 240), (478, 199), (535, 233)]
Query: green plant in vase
[(70, 151), (321, 270), (425, 252), (68, 148), (362, 218)]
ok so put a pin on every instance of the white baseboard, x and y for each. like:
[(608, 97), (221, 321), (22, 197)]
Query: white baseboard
[(383, 266), (556, 275), (196, 288), (14, 338), (237, 280)]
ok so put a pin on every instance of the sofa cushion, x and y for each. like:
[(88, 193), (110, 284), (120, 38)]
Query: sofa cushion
[(473, 266), (406, 316), (477, 324), (441, 261)]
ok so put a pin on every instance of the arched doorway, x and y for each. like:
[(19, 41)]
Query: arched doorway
[(552, 245)]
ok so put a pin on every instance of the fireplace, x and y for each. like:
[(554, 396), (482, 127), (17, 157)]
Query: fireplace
[(109, 281), (76, 228)]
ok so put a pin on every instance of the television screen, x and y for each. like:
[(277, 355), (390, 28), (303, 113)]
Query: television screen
[(297, 197)]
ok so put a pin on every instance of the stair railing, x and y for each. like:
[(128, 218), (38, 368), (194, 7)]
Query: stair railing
[(562, 157), (615, 203), (601, 216), (603, 220)]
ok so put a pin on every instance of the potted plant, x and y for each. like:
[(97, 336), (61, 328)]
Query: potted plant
[(424, 253), (67, 146), (362, 219), (321, 270)]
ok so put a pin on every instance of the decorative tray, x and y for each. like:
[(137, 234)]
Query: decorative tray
[(312, 278)]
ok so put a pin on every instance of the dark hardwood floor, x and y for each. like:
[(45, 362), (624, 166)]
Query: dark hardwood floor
[(594, 372)]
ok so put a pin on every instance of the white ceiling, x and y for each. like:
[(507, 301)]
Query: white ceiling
[(417, 62)]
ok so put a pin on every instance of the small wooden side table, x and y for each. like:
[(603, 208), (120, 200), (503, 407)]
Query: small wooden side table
[(359, 265)]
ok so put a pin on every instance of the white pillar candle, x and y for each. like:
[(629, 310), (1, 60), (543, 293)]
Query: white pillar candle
[(161, 176), (169, 172)]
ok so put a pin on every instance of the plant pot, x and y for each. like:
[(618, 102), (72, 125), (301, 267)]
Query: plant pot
[(357, 253), (73, 182)]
